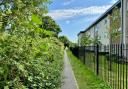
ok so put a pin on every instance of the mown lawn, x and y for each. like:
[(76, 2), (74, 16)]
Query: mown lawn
[(85, 78)]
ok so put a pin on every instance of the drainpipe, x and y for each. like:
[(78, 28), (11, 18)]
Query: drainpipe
[(123, 25), (122, 21)]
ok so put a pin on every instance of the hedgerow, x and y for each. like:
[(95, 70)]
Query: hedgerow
[(27, 62), (30, 56)]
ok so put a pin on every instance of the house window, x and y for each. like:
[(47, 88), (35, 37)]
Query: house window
[(96, 29), (105, 21)]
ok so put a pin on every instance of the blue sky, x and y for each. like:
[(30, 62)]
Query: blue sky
[(74, 16)]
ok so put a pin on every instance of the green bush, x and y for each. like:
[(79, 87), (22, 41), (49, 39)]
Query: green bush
[(27, 62), (30, 56)]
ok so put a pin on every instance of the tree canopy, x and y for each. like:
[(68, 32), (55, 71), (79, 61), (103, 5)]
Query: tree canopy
[(49, 24), (85, 40), (67, 42)]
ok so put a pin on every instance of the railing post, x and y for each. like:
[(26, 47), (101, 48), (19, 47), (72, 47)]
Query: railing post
[(84, 54), (97, 59)]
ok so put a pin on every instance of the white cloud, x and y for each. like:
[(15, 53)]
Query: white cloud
[(67, 22), (113, 1), (67, 2), (62, 14)]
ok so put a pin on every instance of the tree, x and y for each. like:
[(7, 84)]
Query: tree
[(67, 42), (27, 17), (64, 40), (85, 40), (96, 40), (18, 13), (49, 24), (115, 20)]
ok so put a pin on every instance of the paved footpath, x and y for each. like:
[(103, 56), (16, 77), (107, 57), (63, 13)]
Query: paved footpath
[(69, 81)]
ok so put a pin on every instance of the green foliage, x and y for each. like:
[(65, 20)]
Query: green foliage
[(85, 40), (65, 40), (49, 24), (96, 40), (30, 57), (115, 19), (86, 79), (30, 62), (72, 45), (36, 19)]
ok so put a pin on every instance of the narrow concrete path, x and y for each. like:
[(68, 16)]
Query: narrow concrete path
[(69, 81)]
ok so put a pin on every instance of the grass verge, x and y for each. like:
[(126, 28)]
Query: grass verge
[(85, 78)]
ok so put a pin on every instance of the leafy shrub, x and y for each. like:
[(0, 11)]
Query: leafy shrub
[(30, 56), (27, 62)]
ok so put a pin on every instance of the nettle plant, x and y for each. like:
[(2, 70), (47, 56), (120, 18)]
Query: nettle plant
[(30, 56)]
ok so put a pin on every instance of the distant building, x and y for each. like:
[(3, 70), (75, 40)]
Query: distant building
[(111, 27)]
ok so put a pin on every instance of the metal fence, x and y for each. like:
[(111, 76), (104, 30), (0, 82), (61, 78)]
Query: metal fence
[(109, 62)]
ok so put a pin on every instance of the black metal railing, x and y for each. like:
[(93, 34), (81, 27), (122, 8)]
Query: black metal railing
[(110, 62)]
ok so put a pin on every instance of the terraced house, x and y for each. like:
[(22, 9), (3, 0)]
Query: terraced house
[(109, 28)]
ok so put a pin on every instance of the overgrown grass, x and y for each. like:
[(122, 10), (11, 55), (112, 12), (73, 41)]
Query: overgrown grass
[(85, 78)]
